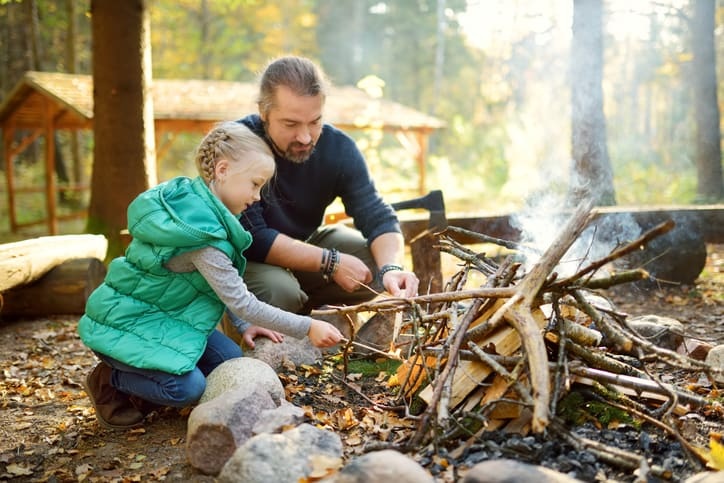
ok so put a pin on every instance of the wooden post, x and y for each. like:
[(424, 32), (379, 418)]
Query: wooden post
[(8, 133), (51, 188), (426, 263)]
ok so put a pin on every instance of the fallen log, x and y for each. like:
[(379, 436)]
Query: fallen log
[(26, 261), (63, 290)]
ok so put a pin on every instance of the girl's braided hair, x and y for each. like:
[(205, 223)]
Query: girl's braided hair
[(228, 140)]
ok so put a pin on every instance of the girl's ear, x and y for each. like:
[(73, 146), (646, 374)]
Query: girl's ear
[(221, 168)]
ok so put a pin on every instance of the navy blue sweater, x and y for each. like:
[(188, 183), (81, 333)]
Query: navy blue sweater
[(294, 201)]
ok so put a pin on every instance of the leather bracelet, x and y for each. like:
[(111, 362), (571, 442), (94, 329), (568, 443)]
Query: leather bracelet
[(330, 263), (389, 267)]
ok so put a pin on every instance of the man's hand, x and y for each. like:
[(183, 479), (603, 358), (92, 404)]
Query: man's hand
[(323, 334), (351, 272), (255, 331), (400, 283)]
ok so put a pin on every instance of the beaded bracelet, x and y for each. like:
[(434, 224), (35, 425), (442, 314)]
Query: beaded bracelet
[(330, 263), (389, 267)]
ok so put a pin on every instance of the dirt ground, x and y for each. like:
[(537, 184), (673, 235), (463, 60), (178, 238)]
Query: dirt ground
[(48, 431)]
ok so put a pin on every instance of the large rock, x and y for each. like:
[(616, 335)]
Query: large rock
[(661, 331), (290, 350), (512, 471), (715, 358), (243, 373), (289, 457), (678, 256), (707, 477), (385, 466)]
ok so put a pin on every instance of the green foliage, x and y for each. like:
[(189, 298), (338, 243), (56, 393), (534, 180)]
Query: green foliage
[(575, 409), (506, 103), (372, 368)]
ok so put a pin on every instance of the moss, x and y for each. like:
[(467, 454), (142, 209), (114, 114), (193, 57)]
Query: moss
[(575, 409), (370, 368)]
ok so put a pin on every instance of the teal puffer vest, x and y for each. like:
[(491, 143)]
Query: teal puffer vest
[(145, 315)]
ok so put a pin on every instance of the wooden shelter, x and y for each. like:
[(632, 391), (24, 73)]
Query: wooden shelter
[(44, 102)]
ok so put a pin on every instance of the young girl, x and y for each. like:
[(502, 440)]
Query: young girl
[(153, 320)]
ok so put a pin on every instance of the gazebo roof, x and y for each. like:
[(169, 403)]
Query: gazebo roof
[(179, 105)]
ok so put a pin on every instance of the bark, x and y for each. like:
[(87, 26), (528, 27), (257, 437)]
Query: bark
[(63, 290), (123, 155), (25, 261), (591, 173), (710, 184)]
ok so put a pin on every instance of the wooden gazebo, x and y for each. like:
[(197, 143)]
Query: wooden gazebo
[(44, 102)]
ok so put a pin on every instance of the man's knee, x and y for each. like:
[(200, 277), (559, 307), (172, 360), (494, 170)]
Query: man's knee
[(275, 286)]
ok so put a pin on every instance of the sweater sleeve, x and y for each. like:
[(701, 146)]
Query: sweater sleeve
[(371, 214), (263, 236), (224, 279)]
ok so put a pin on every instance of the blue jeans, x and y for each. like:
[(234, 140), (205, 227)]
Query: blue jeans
[(174, 390)]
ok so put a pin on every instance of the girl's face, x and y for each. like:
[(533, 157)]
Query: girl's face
[(238, 184)]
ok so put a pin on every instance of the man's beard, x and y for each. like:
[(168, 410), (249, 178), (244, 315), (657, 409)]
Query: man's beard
[(289, 154), (298, 157)]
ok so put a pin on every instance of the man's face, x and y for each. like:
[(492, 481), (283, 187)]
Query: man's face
[(294, 124)]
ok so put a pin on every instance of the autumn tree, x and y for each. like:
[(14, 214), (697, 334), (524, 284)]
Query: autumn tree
[(710, 186), (124, 151), (591, 172)]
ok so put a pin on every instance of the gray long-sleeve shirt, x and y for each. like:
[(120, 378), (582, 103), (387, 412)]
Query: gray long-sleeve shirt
[(243, 305)]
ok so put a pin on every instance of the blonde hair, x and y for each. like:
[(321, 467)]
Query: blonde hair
[(232, 141)]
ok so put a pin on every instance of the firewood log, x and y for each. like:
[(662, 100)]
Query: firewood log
[(63, 290), (27, 260)]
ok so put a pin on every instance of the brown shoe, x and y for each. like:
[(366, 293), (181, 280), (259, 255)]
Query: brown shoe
[(113, 408), (145, 407)]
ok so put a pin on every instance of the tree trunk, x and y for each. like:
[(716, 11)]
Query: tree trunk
[(710, 184), (591, 173), (124, 151)]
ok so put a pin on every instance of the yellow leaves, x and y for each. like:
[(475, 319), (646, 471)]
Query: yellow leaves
[(714, 455), (345, 419)]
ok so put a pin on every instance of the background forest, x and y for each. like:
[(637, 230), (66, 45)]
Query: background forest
[(496, 71)]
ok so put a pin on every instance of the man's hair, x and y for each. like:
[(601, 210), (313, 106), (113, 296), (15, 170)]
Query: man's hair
[(299, 74)]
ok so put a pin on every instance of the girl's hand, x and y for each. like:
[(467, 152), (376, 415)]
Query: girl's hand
[(255, 331), (323, 334)]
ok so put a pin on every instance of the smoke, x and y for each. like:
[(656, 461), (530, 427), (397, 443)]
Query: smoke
[(543, 219)]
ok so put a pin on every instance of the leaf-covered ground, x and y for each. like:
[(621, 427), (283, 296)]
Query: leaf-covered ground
[(48, 431)]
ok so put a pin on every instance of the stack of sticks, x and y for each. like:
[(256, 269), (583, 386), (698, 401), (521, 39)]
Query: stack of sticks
[(505, 353)]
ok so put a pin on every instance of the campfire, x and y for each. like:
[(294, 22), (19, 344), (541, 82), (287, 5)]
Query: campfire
[(505, 354)]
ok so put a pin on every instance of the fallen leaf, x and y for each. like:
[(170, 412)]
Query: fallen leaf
[(18, 470), (717, 453)]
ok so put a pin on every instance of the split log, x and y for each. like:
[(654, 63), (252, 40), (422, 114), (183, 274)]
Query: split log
[(218, 427), (26, 261), (63, 290)]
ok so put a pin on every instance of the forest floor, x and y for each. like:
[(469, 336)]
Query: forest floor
[(48, 430)]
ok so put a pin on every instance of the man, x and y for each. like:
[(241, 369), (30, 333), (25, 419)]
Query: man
[(294, 262)]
